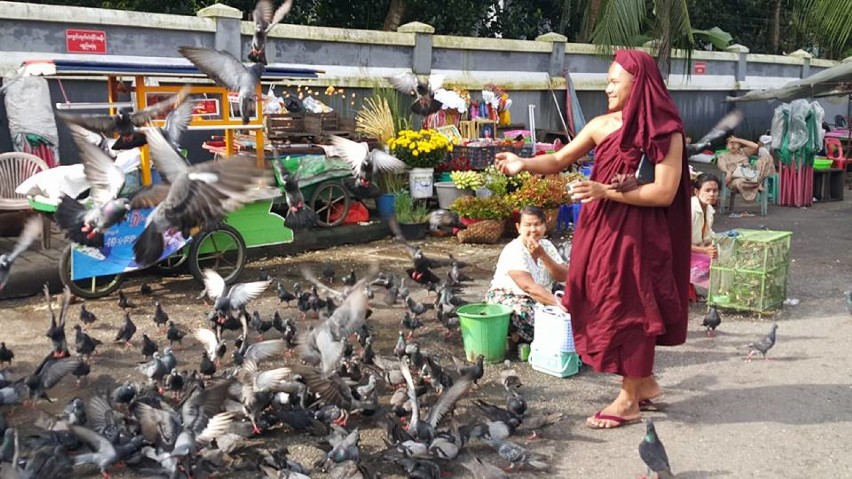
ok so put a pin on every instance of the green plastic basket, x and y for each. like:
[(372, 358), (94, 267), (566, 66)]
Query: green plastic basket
[(484, 328)]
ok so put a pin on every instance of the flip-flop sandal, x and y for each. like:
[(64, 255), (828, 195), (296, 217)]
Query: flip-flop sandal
[(648, 405), (618, 420)]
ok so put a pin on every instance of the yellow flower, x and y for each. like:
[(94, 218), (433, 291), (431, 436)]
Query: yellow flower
[(414, 153), (412, 146), (450, 148)]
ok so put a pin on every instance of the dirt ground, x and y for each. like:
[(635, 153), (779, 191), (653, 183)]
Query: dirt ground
[(725, 417)]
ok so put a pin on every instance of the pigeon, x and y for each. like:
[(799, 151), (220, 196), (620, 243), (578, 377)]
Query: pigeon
[(145, 290), (6, 354), (365, 164), (444, 221), (149, 347), (284, 296), (410, 323), (174, 335), (84, 344), (300, 216), (86, 316), (328, 272), (350, 279), (653, 453), (416, 307), (30, 232), (712, 321), (104, 454), (123, 302), (56, 331), (424, 90), (483, 470), (83, 370), (509, 377), (264, 20), (125, 122), (207, 367), (764, 344), (259, 325), (517, 455), (195, 196), (725, 126), (230, 299), (228, 72), (48, 375), (86, 225), (126, 332), (161, 318)]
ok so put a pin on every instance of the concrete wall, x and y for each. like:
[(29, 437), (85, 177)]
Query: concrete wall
[(358, 61)]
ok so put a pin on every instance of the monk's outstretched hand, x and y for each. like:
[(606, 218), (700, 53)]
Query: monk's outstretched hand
[(508, 163)]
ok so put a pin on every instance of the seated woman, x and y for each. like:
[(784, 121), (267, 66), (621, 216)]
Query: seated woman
[(740, 175), (705, 194), (525, 273)]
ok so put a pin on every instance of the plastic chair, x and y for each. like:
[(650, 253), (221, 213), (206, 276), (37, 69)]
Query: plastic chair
[(834, 151), (15, 167), (726, 197)]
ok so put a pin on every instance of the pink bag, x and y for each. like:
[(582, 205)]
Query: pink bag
[(699, 270)]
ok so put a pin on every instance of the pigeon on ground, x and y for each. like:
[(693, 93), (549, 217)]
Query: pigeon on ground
[(764, 344), (85, 345), (126, 122), (86, 224), (6, 355), (228, 72), (653, 453), (423, 89), (145, 290), (174, 335), (31, 232), (87, 317), (264, 20), (483, 470), (712, 321), (517, 455), (126, 332), (161, 318), (196, 196), (365, 164), (123, 302)]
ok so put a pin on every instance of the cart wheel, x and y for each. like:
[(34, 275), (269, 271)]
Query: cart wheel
[(89, 288), (222, 250), (326, 196), (175, 262)]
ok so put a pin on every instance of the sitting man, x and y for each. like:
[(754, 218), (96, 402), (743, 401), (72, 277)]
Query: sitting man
[(526, 272)]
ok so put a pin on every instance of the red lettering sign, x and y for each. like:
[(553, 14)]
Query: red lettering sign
[(85, 41), (699, 68), (205, 106)]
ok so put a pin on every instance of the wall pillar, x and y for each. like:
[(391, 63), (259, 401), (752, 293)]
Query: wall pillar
[(557, 53), (227, 27), (421, 56)]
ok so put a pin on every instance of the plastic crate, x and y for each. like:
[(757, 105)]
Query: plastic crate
[(751, 271), (481, 157), (561, 365)]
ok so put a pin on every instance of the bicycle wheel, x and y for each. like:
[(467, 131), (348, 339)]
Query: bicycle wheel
[(174, 263), (223, 250), (88, 288)]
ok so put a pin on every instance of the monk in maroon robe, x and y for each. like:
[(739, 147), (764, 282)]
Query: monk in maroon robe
[(628, 283)]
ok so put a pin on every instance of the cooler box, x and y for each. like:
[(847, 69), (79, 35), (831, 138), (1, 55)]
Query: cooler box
[(552, 351), (561, 365)]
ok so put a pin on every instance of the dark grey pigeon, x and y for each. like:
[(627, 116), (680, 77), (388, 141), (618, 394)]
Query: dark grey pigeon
[(764, 344), (724, 127), (423, 89), (712, 321), (653, 453), (31, 231), (300, 216), (228, 72)]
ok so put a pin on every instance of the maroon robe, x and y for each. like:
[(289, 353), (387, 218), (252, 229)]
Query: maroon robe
[(628, 283)]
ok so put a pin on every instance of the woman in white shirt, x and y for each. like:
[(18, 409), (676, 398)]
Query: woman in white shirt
[(706, 193), (525, 273)]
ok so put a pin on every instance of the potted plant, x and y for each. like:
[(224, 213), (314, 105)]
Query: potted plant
[(485, 217), (390, 184), (422, 151), (547, 192), (413, 217)]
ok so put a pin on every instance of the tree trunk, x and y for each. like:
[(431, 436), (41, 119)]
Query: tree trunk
[(591, 19), (775, 26), (394, 16)]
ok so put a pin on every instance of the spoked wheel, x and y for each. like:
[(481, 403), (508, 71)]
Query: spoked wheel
[(330, 197), (88, 288), (223, 250), (175, 262)]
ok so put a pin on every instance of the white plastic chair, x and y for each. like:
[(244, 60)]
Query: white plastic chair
[(15, 167)]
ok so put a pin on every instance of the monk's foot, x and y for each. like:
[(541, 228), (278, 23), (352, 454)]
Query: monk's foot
[(621, 412), (649, 389)]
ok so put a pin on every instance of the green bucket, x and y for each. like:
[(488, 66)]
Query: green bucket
[(484, 328)]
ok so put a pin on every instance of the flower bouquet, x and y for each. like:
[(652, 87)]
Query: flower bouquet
[(420, 149)]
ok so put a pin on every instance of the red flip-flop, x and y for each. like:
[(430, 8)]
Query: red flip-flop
[(618, 420)]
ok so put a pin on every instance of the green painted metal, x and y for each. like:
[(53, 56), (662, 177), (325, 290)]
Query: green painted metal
[(258, 225)]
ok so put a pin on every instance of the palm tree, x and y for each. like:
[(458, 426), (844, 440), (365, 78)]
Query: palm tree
[(829, 22)]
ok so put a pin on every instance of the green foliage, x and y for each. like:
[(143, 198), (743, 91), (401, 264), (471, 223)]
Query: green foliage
[(408, 211), (490, 208)]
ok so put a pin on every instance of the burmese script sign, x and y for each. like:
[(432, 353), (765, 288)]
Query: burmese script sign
[(85, 41)]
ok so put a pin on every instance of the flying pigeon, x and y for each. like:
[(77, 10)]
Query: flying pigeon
[(86, 225), (425, 90), (228, 72), (31, 231), (725, 126), (300, 216), (126, 122), (365, 164), (264, 20), (196, 196)]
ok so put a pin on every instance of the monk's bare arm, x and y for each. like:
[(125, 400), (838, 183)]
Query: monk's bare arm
[(556, 162)]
